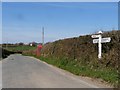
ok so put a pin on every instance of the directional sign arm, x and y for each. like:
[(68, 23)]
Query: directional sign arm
[(103, 40), (95, 36)]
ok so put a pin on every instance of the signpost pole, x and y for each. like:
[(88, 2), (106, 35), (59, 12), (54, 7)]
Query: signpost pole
[(100, 47), (100, 40)]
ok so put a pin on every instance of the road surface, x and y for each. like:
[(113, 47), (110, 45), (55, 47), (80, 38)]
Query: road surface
[(0, 75), (27, 72)]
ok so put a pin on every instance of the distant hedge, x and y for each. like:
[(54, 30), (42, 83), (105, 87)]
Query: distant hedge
[(4, 53)]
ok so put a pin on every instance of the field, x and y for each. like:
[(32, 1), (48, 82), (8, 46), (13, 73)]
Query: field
[(19, 48), (12, 49)]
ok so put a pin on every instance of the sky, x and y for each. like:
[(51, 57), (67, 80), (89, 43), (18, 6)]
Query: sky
[(60, 0), (0, 23), (23, 21)]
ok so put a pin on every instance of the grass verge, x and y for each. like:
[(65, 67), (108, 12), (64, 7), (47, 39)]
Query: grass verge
[(107, 74)]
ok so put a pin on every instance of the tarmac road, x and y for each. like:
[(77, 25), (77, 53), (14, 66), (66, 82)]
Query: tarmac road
[(27, 72), (0, 75)]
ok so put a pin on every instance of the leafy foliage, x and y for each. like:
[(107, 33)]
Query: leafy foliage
[(79, 56), (84, 51), (4, 53)]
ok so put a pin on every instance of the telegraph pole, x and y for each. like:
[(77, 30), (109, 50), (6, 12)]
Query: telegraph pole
[(6, 45), (42, 35)]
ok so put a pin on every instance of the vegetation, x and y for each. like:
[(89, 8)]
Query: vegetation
[(19, 48), (4, 53), (85, 52), (79, 56), (12, 49), (107, 74)]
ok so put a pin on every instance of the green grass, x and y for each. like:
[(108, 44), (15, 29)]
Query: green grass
[(20, 48), (107, 74)]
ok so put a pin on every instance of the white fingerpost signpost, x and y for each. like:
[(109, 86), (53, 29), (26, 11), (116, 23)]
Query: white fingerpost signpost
[(100, 40)]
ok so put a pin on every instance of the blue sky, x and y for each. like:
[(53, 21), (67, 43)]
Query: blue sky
[(22, 22), (0, 23)]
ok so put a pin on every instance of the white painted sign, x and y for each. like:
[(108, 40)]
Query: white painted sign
[(103, 40), (99, 41), (95, 36)]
